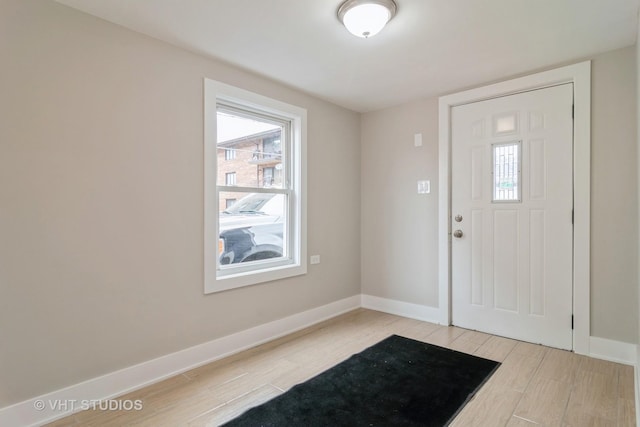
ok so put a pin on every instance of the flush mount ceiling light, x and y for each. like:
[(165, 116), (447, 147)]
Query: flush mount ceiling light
[(365, 18)]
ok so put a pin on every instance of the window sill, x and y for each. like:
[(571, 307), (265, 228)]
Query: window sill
[(230, 280)]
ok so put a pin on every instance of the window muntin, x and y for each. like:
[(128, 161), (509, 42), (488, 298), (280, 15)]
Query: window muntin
[(265, 223)]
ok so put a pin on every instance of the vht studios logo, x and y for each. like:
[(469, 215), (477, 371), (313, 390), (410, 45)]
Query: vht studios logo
[(85, 404)]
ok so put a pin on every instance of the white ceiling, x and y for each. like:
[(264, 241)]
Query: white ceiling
[(430, 48)]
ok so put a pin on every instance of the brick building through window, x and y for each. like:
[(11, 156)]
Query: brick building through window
[(256, 162)]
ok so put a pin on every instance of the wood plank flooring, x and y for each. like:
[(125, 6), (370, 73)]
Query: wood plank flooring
[(535, 385)]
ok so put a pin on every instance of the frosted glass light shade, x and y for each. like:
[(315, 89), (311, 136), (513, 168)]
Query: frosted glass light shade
[(365, 18)]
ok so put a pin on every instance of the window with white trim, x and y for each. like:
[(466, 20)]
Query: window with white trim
[(230, 154), (230, 179), (262, 235)]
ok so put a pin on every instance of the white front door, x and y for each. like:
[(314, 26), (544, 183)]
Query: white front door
[(511, 205)]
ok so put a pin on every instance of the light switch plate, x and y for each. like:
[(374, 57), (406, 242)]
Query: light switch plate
[(314, 259), (424, 187), (417, 140)]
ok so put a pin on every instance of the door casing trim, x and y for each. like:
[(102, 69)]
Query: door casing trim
[(580, 75)]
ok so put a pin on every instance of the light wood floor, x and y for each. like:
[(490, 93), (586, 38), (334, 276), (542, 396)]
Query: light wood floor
[(535, 385)]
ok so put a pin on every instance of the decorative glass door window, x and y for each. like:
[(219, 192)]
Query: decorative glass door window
[(506, 172)]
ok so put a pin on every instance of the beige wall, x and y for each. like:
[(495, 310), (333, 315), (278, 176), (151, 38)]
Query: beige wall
[(638, 172), (399, 227), (101, 202), (614, 197)]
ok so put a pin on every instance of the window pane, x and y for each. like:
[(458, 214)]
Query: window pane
[(229, 153), (268, 175), (252, 228), (230, 178), (247, 146), (506, 172)]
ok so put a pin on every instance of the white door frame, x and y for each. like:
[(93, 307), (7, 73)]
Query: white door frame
[(580, 75)]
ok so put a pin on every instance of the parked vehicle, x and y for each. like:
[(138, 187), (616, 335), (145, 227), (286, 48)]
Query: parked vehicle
[(252, 229)]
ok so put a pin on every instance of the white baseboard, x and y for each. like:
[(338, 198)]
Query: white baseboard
[(613, 351), (125, 380), (143, 374), (599, 348), (401, 308), (637, 383)]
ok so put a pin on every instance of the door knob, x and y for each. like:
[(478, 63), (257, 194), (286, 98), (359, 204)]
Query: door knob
[(457, 233)]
